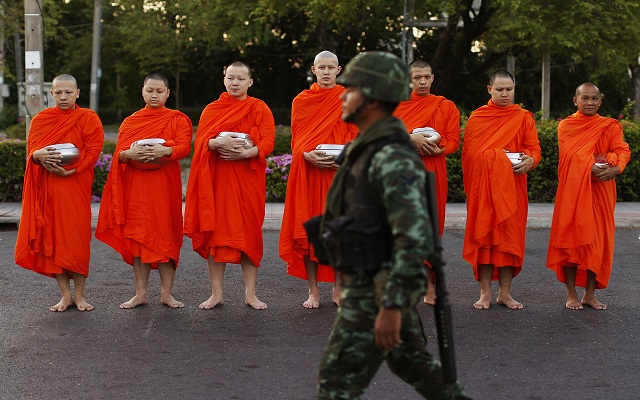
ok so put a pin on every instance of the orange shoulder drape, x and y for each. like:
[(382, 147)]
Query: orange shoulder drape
[(583, 226), (55, 226), (316, 118), (443, 116), (497, 203), (226, 199), (144, 206)]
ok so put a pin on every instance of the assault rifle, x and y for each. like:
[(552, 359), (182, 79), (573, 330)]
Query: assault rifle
[(444, 323)]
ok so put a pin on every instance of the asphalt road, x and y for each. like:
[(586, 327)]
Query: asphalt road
[(234, 352)]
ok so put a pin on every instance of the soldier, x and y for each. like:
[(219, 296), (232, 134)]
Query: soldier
[(376, 231)]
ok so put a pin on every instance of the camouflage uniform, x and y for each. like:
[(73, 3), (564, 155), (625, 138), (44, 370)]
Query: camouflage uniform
[(352, 356), (381, 182)]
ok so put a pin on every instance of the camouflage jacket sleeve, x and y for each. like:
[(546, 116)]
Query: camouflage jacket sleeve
[(398, 174)]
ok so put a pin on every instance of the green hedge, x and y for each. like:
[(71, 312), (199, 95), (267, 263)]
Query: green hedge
[(13, 153), (542, 180)]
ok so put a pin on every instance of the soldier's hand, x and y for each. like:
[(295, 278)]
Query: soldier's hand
[(387, 328)]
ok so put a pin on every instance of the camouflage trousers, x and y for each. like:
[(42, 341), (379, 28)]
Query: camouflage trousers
[(352, 357)]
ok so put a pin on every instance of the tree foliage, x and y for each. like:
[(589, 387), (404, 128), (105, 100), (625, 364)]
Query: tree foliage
[(191, 41)]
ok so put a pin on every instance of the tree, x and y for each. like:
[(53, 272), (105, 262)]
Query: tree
[(594, 40), (156, 33)]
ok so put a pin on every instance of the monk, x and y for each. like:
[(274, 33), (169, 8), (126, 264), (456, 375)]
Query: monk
[(427, 110), (55, 227), (496, 189), (316, 118), (141, 208), (226, 193), (592, 153)]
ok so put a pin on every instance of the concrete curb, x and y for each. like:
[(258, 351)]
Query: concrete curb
[(540, 214)]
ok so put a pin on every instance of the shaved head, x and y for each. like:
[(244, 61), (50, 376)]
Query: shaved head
[(587, 85), (501, 74), (157, 77), (239, 64), (65, 78), (325, 54), (419, 64)]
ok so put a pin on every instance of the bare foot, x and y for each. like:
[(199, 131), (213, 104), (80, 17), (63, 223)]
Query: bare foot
[(255, 303), (430, 299), (134, 302), (509, 302), (62, 305), (211, 302), (313, 301), (171, 302), (594, 303), (82, 305), (573, 304), (483, 303), (335, 296)]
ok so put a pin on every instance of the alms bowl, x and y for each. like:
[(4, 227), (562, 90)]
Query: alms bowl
[(431, 134), (332, 150), (70, 153), (515, 158), (247, 138), (601, 165), (148, 142)]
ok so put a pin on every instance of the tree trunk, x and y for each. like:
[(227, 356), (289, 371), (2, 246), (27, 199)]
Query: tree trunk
[(635, 91), (177, 93), (119, 109), (454, 43)]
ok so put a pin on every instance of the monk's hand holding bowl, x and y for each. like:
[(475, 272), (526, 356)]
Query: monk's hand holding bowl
[(157, 153), (226, 143), (430, 149), (320, 159), (525, 166), (607, 173), (56, 169), (47, 156), (140, 152), (238, 154)]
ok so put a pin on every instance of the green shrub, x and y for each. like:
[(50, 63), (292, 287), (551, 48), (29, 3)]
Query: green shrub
[(282, 144), (17, 131), (543, 180), (629, 181), (109, 146), (8, 116), (13, 153)]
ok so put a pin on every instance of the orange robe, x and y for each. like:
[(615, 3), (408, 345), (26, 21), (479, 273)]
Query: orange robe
[(443, 116), (55, 226), (497, 202), (226, 198), (583, 225), (316, 118), (141, 209)]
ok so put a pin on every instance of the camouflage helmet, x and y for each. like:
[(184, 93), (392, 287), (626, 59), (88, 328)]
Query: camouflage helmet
[(379, 75)]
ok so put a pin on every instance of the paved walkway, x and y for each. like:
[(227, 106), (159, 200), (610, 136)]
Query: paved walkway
[(627, 215)]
